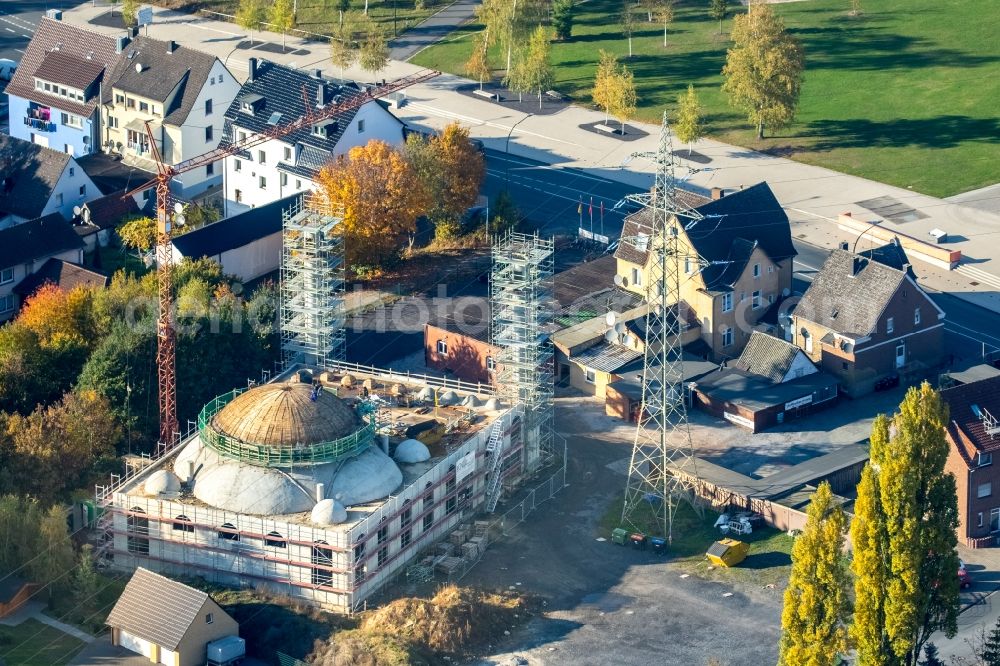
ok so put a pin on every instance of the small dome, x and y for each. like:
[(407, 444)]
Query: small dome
[(493, 404), (328, 512), (347, 381), (368, 384), (448, 398), (426, 393), (162, 481), (471, 401), (285, 415), (412, 451)]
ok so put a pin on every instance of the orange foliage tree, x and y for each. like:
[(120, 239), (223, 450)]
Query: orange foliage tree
[(57, 316), (382, 198)]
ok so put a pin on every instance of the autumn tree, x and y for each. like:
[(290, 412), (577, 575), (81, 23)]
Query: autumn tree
[(663, 10), (138, 234), (342, 7), (451, 172), (687, 123), (249, 15), (510, 22), (535, 72), (374, 54), (626, 20), (763, 71), (815, 613), (478, 65), (281, 16), (562, 18), (130, 12), (604, 82), (623, 97), (903, 534), (381, 196), (503, 213), (718, 10), (343, 48)]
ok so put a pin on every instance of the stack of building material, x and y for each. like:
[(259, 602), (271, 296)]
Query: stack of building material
[(459, 536), (449, 565), (446, 549), (470, 551), (481, 528), (480, 542)]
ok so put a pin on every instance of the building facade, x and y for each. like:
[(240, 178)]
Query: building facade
[(274, 95), (25, 248), (468, 357)]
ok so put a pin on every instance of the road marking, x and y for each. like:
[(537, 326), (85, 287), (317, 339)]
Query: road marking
[(9, 29), (224, 32)]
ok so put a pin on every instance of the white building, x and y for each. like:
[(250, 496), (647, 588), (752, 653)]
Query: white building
[(274, 95)]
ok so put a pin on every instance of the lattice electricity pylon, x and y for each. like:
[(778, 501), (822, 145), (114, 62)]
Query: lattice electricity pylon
[(663, 436)]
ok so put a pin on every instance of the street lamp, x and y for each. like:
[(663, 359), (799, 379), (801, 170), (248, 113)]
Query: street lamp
[(506, 149)]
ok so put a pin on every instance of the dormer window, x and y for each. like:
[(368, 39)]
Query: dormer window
[(325, 128), (252, 104)]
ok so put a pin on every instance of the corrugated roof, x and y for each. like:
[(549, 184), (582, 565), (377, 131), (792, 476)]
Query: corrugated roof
[(37, 239), (233, 232), (72, 42), (61, 273), (767, 356), (849, 294), (606, 357), (156, 608), (28, 175), (966, 429)]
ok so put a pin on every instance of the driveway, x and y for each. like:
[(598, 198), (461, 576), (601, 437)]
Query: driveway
[(432, 30)]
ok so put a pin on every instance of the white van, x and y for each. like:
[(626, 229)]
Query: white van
[(7, 68)]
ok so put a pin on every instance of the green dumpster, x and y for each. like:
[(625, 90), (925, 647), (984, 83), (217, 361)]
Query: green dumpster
[(619, 536)]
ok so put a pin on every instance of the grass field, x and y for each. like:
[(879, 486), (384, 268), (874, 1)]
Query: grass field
[(32, 643), (905, 93)]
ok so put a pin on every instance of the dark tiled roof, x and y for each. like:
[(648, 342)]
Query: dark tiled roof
[(233, 232), (162, 73), (731, 225), (109, 210), (891, 254), (37, 239), (767, 356), (282, 91), (156, 608), (583, 279), (61, 273), (73, 42), (849, 294), (967, 430), (68, 69), (28, 174)]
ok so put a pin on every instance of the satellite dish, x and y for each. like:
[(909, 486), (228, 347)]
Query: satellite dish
[(620, 327), (179, 219), (138, 68), (610, 318), (611, 336), (619, 280), (178, 208), (77, 211), (786, 292)]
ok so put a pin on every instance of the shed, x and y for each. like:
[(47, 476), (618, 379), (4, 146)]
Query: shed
[(166, 621)]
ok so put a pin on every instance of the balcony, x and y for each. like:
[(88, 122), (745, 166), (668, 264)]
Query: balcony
[(39, 124)]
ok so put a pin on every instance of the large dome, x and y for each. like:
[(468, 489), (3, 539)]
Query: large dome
[(285, 415)]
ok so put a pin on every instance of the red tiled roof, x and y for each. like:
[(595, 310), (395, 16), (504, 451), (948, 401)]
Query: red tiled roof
[(967, 430)]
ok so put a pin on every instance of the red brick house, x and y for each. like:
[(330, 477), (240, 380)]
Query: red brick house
[(864, 318), (974, 435), (468, 356)]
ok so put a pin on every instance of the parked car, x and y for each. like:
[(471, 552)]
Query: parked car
[(964, 579)]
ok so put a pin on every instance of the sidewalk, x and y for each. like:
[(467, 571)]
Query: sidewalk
[(432, 30), (33, 611), (812, 196)]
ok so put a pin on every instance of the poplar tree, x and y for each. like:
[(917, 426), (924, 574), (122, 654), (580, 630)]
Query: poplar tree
[(814, 618), (249, 14), (763, 71), (624, 96), (664, 13), (687, 125), (903, 533), (282, 18), (54, 556)]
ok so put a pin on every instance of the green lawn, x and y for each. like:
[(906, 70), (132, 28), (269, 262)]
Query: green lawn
[(905, 94), (32, 643)]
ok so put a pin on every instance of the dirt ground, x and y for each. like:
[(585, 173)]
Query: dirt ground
[(606, 604)]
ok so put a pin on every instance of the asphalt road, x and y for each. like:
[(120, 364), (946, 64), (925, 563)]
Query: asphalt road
[(18, 21), (432, 30)]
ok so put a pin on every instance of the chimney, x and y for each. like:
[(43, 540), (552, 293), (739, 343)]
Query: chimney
[(844, 245), (317, 73), (717, 193), (320, 95), (253, 69), (320, 492), (121, 41), (54, 14), (134, 31), (171, 46), (190, 471)]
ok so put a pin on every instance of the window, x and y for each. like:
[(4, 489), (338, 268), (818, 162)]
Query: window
[(72, 171), (979, 519), (211, 81), (209, 618), (984, 489), (59, 199), (243, 136), (743, 296), (687, 264), (262, 182), (442, 347), (428, 506), (756, 270), (237, 165), (770, 298), (239, 196), (359, 548), (7, 303), (210, 169), (183, 524), (361, 126), (636, 277), (298, 184), (994, 520), (83, 190), (208, 107), (70, 120), (137, 524), (322, 556), (209, 132), (405, 537), (449, 506), (727, 336), (985, 459), (770, 269), (428, 520), (262, 157), (283, 179), (6, 275), (113, 124), (228, 532), (383, 556), (130, 103), (274, 540), (143, 107), (727, 302), (808, 340), (916, 316), (590, 376), (491, 364), (755, 299), (119, 98), (889, 325), (844, 365), (288, 154), (407, 516), (155, 110), (383, 533)]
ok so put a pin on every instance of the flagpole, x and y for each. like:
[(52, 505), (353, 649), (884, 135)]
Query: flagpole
[(602, 217), (591, 210)]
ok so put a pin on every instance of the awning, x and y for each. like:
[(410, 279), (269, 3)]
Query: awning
[(139, 125)]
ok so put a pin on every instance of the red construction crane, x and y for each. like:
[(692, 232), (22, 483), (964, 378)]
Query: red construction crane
[(166, 350)]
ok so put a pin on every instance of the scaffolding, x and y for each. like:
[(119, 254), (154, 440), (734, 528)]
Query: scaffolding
[(520, 297), (312, 283)]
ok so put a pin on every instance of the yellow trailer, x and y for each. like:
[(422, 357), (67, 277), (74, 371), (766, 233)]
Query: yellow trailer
[(727, 553)]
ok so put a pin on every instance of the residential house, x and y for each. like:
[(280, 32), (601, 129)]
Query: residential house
[(973, 434), (24, 248), (463, 352), (56, 91), (863, 320), (183, 94), (737, 262), (247, 245), (98, 218), (166, 621), (772, 381), (36, 181), (274, 95), (63, 274)]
